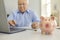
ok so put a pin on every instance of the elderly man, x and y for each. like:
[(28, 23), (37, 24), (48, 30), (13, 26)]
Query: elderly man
[(23, 16)]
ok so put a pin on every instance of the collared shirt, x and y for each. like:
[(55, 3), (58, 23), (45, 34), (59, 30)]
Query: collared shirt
[(24, 19)]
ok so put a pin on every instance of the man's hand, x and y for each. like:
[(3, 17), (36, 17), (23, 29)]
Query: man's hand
[(12, 22), (35, 25)]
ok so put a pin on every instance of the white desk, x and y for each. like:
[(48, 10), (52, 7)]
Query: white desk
[(30, 35)]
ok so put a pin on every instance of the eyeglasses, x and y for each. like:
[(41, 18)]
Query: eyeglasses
[(22, 4)]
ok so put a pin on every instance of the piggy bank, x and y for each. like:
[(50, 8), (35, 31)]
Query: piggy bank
[(47, 24)]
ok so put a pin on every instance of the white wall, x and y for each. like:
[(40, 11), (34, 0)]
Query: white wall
[(12, 5), (36, 6)]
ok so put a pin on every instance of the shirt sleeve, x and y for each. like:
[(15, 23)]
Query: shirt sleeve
[(11, 16), (35, 18)]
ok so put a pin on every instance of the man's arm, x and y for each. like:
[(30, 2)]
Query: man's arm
[(35, 21), (11, 20)]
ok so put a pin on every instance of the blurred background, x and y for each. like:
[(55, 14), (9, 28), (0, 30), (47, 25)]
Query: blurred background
[(41, 7)]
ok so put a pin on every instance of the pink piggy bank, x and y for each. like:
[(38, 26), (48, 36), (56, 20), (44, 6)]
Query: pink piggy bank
[(47, 24)]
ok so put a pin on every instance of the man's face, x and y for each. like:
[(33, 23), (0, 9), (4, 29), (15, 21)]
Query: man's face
[(22, 5)]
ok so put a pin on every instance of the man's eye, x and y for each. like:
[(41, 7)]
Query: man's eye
[(45, 19), (19, 4), (22, 4)]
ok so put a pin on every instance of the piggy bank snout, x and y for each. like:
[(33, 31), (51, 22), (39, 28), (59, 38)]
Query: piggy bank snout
[(47, 25)]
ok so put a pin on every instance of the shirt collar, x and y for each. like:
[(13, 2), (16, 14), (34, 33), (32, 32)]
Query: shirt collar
[(24, 12)]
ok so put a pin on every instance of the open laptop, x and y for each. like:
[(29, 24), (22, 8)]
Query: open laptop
[(4, 26)]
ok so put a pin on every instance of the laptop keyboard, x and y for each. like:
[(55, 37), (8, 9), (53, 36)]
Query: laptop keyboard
[(15, 30)]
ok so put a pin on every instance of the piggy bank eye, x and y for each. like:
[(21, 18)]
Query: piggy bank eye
[(45, 19), (49, 19)]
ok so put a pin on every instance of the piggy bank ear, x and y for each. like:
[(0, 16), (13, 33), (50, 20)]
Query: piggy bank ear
[(41, 18), (52, 18)]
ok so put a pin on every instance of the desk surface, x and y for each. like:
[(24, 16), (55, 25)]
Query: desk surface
[(30, 35)]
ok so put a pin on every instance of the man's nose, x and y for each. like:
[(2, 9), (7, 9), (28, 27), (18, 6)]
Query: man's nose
[(21, 5)]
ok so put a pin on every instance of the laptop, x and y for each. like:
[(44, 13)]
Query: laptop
[(4, 26)]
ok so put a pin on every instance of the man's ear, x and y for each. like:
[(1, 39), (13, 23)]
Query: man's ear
[(52, 18), (41, 18)]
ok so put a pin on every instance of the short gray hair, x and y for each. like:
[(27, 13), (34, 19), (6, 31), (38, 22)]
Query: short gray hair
[(28, 1)]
